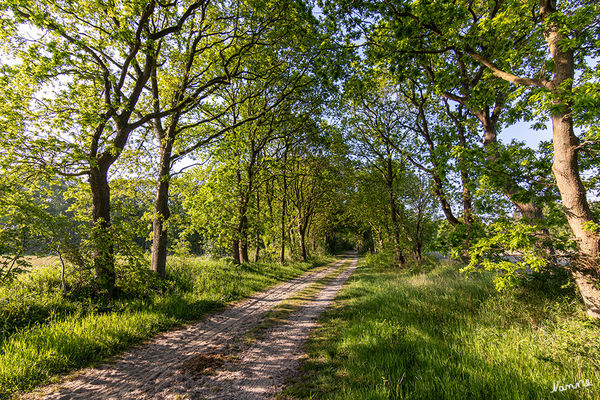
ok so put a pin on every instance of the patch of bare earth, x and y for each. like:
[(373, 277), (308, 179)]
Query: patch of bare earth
[(207, 360)]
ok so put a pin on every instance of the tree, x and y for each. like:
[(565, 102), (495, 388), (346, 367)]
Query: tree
[(540, 45), (214, 52), (96, 60), (376, 126), (508, 44)]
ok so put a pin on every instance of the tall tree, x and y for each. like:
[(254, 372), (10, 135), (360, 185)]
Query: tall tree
[(96, 60)]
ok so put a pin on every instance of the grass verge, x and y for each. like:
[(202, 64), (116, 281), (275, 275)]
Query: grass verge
[(440, 335), (48, 334)]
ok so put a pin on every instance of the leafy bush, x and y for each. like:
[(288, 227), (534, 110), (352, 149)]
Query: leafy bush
[(134, 279), (512, 249)]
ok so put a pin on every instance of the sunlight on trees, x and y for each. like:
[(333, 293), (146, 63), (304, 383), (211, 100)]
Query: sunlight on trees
[(254, 130)]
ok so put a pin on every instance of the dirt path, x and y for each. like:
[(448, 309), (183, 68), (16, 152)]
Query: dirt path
[(207, 360)]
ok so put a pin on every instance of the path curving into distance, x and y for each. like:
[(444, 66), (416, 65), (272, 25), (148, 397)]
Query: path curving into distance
[(210, 359)]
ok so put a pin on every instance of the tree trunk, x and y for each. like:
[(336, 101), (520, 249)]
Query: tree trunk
[(161, 213), (243, 232), (396, 231), (302, 234), (589, 293), (566, 163), (467, 198), (103, 257), (439, 193), (435, 172), (418, 249), (282, 251), (566, 166), (394, 215), (291, 239), (235, 250), (572, 192), (257, 241), (283, 211), (257, 252)]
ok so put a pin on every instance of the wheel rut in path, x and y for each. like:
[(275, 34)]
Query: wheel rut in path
[(154, 369)]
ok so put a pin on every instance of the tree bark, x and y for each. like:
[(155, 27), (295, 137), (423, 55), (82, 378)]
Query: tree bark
[(302, 234), (418, 248), (235, 250), (161, 212), (257, 252), (243, 232), (435, 172), (394, 214), (103, 257), (566, 163), (283, 214), (467, 198), (257, 240), (566, 166)]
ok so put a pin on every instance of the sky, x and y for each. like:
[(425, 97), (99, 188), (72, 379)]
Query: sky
[(523, 132)]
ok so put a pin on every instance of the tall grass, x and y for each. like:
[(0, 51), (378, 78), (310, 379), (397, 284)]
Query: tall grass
[(439, 335), (46, 333)]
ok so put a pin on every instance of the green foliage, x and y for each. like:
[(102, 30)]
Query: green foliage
[(513, 249), (306, 141), (455, 241), (509, 248)]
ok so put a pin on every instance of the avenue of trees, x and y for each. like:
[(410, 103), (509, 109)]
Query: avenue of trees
[(274, 130)]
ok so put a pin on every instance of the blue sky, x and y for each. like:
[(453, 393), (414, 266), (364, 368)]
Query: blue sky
[(523, 132)]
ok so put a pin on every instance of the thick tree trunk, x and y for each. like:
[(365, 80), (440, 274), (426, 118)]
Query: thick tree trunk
[(572, 192), (161, 213), (103, 257), (566, 166), (566, 163), (589, 292)]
